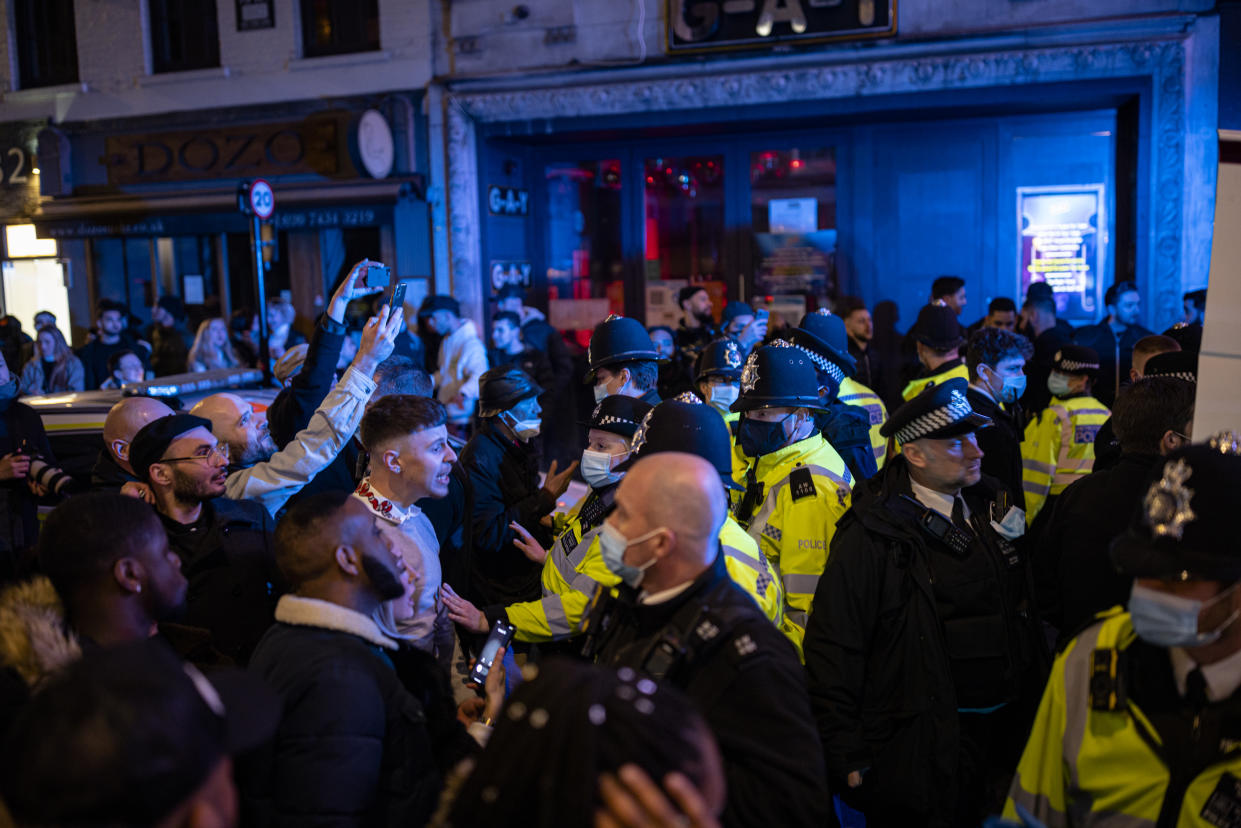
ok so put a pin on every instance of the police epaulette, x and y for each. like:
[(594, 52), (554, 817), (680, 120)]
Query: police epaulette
[(1107, 680), (801, 483)]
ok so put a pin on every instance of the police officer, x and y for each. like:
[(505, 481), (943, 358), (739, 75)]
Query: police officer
[(796, 485), (846, 427), (937, 336), (1141, 720), (922, 639), (574, 567), (681, 620), (623, 360), (832, 340), (1058, 447), (717, 378), (571, 568)]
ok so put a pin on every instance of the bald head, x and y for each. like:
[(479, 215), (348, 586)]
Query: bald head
[(678, 500), (235, 422), (125, 420)]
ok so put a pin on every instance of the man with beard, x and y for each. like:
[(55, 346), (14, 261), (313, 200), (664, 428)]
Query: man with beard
[(224, 545), (1113, 338), (352, 747), (257, 471), (697, 326), (109, 577)]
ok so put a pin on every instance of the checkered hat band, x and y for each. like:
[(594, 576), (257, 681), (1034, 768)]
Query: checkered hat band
[(609, 419), (933, 421), (1069, 365), (1181, 375), (823, 364)]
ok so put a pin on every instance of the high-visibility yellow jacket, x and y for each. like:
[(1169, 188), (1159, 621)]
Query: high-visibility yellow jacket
[(806, 488), (1088, 765), (945, 372), (853, 392), (575, 567), (1059, 448)]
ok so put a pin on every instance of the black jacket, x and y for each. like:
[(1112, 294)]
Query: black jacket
[(1075, 576), (170, 349), (95, 354), (892, 611), (501, 486), (107, 475), (847, 428), (19, 526), (1000, 443), (1115, 356), (352, 748), (538, 333), (233, 581), (293, 407), (531, 360), (746, 681), (869, 368)]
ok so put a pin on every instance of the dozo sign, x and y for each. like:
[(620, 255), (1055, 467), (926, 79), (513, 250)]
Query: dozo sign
[(707, 25)]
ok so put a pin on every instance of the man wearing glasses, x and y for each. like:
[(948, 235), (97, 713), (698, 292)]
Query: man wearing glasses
[(224, 545)]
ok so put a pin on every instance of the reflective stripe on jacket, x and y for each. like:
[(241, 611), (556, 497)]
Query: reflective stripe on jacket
[(1059, 448), (919, 385), (1087, 767), (853, 392), (795, 528), (575, 567)]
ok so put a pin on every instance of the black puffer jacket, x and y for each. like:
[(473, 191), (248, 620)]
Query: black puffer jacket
[(501, 486), (233, 581), (352, 748)]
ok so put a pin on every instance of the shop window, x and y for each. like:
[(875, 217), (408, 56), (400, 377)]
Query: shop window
[(47, 49), (585, 264), (184, 35), (335, 27)]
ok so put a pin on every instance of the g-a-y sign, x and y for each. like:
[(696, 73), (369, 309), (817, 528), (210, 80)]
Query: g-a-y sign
[(705, 25)]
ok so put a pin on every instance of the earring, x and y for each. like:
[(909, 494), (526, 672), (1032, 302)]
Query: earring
[(138, 588)]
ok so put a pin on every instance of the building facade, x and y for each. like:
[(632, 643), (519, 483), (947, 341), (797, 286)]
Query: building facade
[(606, 153)]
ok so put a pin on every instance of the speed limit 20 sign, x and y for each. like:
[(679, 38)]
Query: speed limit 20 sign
[(262, 200)]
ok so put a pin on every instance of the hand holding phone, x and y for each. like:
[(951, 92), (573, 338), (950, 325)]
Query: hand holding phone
[(500, 636)]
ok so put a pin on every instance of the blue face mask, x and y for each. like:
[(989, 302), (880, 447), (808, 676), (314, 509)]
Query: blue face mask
[(612, 545), (1167, 620), (1013, 388)]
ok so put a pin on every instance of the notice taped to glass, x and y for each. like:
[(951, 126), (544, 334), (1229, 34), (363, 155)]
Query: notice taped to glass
[(1060, 245)]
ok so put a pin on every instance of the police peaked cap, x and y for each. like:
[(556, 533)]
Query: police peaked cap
[(693, 428), (721, 357), (1179, 364), (618, 414), (618, 339), (823, 336), (941, 411), (499, 389), (1076, 359), (937, 328), (778, 376), (1187, 523)]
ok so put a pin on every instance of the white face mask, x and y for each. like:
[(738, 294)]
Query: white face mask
[(597, 468), (601, 392), (1167, 620), (524, 429), (612, 546), (1058, 384), (723, 395)]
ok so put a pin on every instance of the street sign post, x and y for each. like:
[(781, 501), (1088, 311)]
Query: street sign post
[(257, 200)]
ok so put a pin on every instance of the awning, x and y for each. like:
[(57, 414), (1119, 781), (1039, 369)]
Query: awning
[(299, 206)]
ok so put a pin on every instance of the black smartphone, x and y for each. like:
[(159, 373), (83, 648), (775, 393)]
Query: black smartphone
[(501, 635), (378, 275), (397, 299)]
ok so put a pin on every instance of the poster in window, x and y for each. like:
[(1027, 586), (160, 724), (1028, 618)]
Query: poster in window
[(255, 14), (1061, 245)]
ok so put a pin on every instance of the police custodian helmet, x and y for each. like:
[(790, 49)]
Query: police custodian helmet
[(1186, 527), (778, 376), (618, 339)]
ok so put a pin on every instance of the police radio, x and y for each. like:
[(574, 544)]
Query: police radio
[(942, 529)]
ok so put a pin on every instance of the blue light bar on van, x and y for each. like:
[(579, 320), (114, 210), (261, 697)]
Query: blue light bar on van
[(179, 384)]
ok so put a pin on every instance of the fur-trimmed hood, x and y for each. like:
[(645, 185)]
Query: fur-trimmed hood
[(34, 641)]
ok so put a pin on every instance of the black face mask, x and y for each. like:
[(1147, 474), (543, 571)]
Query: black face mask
[(757, 437)]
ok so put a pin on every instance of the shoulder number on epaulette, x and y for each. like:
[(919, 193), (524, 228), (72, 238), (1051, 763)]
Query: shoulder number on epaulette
[(801, 484)]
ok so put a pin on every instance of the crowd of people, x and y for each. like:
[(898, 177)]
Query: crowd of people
[(819, 574)]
